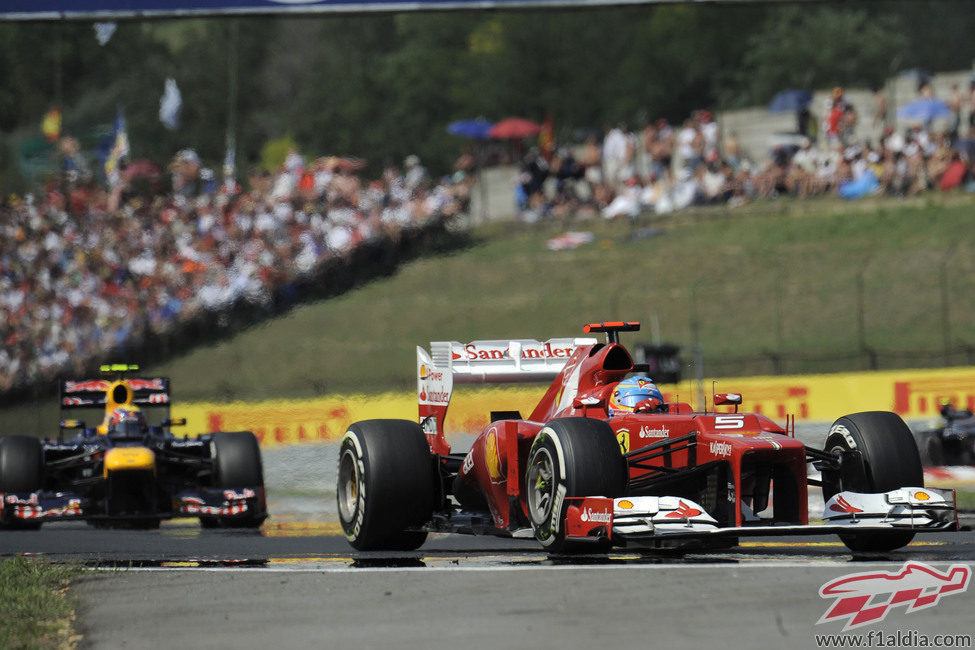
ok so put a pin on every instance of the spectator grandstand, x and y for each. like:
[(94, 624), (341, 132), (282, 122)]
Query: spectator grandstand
[(87, 273)]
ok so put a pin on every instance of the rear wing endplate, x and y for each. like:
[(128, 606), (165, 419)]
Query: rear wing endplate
[(479, 362)]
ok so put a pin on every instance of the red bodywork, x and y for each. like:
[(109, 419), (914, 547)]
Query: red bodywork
[(741, 458)]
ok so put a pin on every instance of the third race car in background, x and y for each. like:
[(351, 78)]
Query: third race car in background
[(603, 460), (125, 471), (950, 442)]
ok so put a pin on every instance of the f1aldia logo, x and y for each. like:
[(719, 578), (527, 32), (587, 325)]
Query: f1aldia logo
[(866, 598)]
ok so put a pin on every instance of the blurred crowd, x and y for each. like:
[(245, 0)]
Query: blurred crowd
[(87, 270), (663, 167)]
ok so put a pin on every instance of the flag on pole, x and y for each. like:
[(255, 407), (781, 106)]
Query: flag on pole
[(51, 124), (170, 105), (546, 138), (120, 149)]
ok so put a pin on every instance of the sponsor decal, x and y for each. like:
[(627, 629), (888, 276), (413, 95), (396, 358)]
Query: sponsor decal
[(866, 598), (146, 384), (843, 431), (623, 437), (430, 373), (842, 505), (468, 463), (650, 432), (625, 504), (925, 395), (487, 352), (491, 456), (720, 448), (591, 515), (771, 440), (92, 385), (683, 511), (233, 495), (557, 508)]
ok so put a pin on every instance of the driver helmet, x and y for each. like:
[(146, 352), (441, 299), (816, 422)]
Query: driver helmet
[(126, 422), (630, 392)]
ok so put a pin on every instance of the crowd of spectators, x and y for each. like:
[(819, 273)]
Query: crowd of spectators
[(87, 270), (663, 167)]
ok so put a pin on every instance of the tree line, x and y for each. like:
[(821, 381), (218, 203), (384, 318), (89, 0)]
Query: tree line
[(382, 86)]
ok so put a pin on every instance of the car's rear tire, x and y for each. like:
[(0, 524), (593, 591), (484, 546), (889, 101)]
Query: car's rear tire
[(237, 464), (570, 457), (21, 471), (386, 488), (890, 460)]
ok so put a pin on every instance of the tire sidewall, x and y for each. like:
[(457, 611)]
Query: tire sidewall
[(352, 451), (548, 529)]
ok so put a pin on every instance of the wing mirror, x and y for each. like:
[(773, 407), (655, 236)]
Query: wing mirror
[(174, 422), (727, 399)]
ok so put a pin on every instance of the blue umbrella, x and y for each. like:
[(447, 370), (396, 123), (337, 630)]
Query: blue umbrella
[(790, 100), (477, 129), (924, 110)]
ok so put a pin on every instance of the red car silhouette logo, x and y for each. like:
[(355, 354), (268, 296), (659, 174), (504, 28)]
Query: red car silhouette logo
[(866, 598)]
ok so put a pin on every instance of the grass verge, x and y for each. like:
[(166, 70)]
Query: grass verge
[(38, 608)]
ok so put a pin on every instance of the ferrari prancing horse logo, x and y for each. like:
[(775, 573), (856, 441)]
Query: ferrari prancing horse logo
[(623, 437)]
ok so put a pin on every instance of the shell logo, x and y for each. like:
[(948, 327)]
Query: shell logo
[(922, 496), (625, 504)]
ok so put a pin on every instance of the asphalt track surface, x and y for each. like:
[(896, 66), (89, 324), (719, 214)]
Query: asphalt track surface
[(297, 584)]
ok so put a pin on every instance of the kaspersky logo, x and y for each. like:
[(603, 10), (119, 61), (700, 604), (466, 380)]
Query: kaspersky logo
[(866, 598)]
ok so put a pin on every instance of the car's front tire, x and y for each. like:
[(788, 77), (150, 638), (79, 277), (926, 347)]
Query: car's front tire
[(890, 460), (570, 457), (21, 471), (236, 457), (386, 487)]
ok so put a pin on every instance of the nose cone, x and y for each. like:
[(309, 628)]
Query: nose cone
[(129, 458)]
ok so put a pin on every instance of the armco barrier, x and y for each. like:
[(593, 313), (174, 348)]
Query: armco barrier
[(911, 393)]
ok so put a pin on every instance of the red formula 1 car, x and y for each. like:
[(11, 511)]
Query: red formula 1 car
[(125, 471), (604, 460)]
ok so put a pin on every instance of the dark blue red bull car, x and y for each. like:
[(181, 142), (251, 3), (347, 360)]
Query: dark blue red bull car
[(123, 470)]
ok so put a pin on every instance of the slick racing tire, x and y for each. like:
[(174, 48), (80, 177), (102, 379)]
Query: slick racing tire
[(386, 488), (890, 460), (21, 470), (237, 464), (932, 451), (570, 457)]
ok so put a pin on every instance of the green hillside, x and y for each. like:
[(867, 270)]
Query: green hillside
[(774, 278), (821, 285)]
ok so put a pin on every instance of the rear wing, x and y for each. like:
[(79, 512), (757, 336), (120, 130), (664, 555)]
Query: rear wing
[(480, 362), (88, 393)]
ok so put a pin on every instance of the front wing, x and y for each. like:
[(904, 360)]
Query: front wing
[(650, 520), (42, 507)]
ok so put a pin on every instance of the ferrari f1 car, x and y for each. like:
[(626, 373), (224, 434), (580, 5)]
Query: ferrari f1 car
[(603, 460), (126, 472)]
